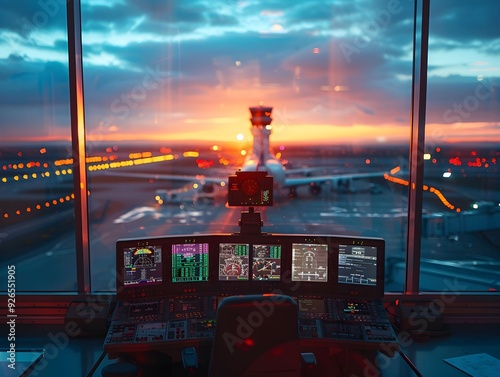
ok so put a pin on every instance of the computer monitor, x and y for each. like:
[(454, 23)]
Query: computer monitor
[(357, 265), (310, 262), (233, 261), (266, 262), (234, 264), (190, 262), (360, 267), (142, 266)]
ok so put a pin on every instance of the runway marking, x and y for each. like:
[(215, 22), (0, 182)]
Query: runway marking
[(140, 212), (133, 215)]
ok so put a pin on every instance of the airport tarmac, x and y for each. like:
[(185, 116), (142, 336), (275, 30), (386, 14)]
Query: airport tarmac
[(125, 208)]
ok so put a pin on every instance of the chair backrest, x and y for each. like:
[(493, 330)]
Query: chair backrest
[(256, 335)]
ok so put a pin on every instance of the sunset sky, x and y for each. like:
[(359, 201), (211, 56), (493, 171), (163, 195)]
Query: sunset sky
[(334, 71)]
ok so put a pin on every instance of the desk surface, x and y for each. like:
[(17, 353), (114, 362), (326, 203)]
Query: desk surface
[(428, 354), (78, 355)]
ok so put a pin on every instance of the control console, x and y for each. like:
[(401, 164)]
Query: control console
[(168, 288), (172, 323)]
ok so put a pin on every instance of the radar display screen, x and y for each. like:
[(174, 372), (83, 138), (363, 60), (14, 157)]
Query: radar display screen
[(233, 261), (266, 262), (309, 262), (189, 262), (142, 265), (357, 265)]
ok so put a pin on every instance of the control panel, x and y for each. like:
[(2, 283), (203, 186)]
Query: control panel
[(172, 323)]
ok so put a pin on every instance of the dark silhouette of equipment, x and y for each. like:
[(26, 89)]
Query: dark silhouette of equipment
[(256, 335)]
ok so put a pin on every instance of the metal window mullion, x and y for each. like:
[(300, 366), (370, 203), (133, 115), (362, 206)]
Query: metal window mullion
[(417, 143), (77, 117)]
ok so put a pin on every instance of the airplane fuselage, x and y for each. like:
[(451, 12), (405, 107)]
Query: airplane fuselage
[(273, 167)]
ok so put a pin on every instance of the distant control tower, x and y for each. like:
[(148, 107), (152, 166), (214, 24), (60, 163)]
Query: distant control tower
[(261, 129)]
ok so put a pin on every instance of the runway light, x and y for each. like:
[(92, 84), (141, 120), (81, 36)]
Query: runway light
[(191, 154), (447, 174), (475, 206), (427, 156), (395, 170), (431, 189)]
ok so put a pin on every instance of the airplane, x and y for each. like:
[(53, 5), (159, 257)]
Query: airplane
[(205, 188), (201, 192), (261, 159)]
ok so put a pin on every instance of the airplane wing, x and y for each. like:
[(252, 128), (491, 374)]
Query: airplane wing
[(299, 181), (170, 177), (307, 170)]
